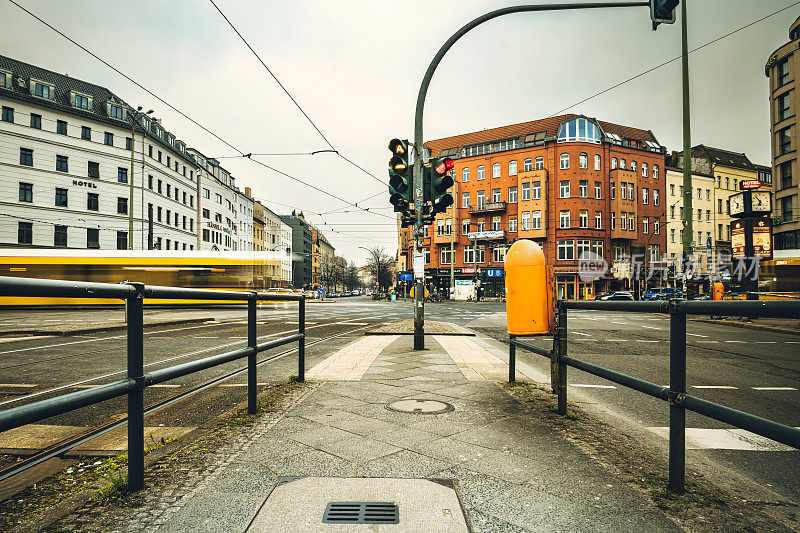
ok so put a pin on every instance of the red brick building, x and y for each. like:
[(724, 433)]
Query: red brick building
[(571, 183)]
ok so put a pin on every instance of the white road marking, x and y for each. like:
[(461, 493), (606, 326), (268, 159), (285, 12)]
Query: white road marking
[(642, 340), (579, 333), (697, 335), (738, 342), (205, 337), (725, 439), (620, 323), (712, 342), (586, 386), (651, 327), (766, 342), (714, 387), (296, 322), (617, 340), (792, 342), (773, 388)]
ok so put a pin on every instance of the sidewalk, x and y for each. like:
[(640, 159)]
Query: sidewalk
[(495, 462)]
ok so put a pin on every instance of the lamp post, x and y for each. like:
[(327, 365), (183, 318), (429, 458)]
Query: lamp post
[(134, 115)]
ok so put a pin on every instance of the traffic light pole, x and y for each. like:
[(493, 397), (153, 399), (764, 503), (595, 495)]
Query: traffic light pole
[(688, 230), (419, 335)]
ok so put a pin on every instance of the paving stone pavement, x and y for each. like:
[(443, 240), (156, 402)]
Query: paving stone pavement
[(512, 472)]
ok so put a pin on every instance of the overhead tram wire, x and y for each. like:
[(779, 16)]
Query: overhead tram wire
[(648, 71), (187, 117), (295, 102)]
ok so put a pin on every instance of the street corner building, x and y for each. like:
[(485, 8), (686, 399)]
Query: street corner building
[(573, 184)]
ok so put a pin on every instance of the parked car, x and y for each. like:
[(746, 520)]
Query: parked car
[(618, 295), (662, 293)]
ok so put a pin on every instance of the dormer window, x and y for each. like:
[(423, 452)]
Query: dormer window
[(81, 101), (115, 111), (579, 129), (42, 90), (5, 79)]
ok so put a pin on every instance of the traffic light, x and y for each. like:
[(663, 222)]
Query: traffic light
[(400, 186), (437, 182), (663, 11)]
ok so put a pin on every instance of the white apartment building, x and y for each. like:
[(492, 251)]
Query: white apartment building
[(286, 260), (65, 168), (704, 218), (244, 203), (218, 205)]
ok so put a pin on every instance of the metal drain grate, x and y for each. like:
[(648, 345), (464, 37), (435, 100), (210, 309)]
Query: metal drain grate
[(361, 513)]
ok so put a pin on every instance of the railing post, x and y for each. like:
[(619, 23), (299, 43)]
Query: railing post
[(558, 370), (135, 315), (677, 386), (301, 346), (252, 371), (512, 359)]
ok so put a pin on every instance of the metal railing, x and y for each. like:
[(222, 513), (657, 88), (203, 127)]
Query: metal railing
[(137, 380), (675, 392)]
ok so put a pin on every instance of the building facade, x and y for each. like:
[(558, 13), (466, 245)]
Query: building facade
[(323, 260), (286, 261), (302, 249), (782, 69), (244, 220), (218, 205), (65, 168), (572, 183)]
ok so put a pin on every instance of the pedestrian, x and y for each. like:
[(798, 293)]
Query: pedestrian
[(479, 294)]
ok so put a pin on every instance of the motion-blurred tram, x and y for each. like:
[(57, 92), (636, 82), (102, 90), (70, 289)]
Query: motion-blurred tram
[(241, 271)]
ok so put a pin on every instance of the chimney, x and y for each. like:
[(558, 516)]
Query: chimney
[(247, 191)]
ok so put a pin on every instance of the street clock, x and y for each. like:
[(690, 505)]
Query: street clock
[(762, 202), (737, 204)]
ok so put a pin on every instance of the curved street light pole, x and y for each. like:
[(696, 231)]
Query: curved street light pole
[(419, 334)]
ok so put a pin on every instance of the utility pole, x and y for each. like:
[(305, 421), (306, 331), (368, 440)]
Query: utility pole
[(687, 155), (452, 241)]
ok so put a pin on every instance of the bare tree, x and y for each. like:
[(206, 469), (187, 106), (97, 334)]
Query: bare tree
[(381, 266)]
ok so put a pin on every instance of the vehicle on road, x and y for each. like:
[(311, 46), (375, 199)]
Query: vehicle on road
[(615, 296), (662, 293)]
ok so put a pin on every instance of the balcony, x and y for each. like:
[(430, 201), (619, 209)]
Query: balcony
[(488, 207)]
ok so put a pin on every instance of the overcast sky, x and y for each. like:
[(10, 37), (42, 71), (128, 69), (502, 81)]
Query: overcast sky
[(355, 68)]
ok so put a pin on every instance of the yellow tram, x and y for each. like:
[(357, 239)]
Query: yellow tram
[(242, 271)]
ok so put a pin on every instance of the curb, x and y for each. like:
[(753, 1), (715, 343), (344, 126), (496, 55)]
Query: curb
[(95, 329), (427, 333), (749, 325)]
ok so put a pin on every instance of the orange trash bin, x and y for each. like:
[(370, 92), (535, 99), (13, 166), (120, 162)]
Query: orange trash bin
[(529, 302), (719, 290)]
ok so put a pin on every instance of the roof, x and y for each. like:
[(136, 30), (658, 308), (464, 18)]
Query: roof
[(517, 131), (725, 157)]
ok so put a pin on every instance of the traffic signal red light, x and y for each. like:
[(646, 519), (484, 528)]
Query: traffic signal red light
[(443, 166)]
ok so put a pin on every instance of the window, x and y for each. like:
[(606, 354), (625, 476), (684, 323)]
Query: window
[(583, 189), (159, 186), (783, 106), (672, 189), (782, 72), (727, 185), (583, 248), (512, 224), (183, 197), (481, 199), (169, 190), (539, 164), (583, 219), (613, 190), (655, 172), (719, 206), (447, 256), (169, 217), (708, 215), (61, 197), (86, 133), (36, 121), (786, 209), (785, 140), (527, 165), (26, 157), (62, 163), (81, 101), (108, 139), (597, 162), (465, 227), (93, 201), (563, 189), (206, 193), (25, 192), (622, 163), (655, 196), (94, 169), (598, 220), (512, 194), (672, 211), (644, 196), (25, 232), (644, 169), (631, 222), (206, 213), (699, 238), (645, 225), (496, 170), (579, 129), (206, 235), (536, 220), (168, 161), (217, 197), (122, 240), (496, 197), (564, 219), (699, 215), (116, 111), (495, 224), (122, 206), (465, 200), (8, 114), (564, 161), (613, 163), (481, 172), (699, 193), (526, 191), (60, 236), (614, 220), (672, 233), (122, 175), (536, 190), (440, 227), (631, 193), (633, 166), (786, 174), (93, 238), (159, 156), (499, 254), (512, 168), (464, 175), (525, 221), (708, 194), (583, 161), (61, 127), (191, 200), (469, 254), (597, 189), (623, 191), (448, 226), (150, 181), (597, 248), (566, 250)]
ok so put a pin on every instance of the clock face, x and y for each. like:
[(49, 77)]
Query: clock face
[(737, 204), (762, 201)]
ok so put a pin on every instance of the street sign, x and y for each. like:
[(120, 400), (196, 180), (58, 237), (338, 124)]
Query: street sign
[(419, 266), (708, 242)]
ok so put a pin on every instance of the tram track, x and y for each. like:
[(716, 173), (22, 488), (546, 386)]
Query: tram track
[(69, 443)]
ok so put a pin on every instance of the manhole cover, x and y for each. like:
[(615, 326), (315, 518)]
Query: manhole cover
[(420, 407)]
